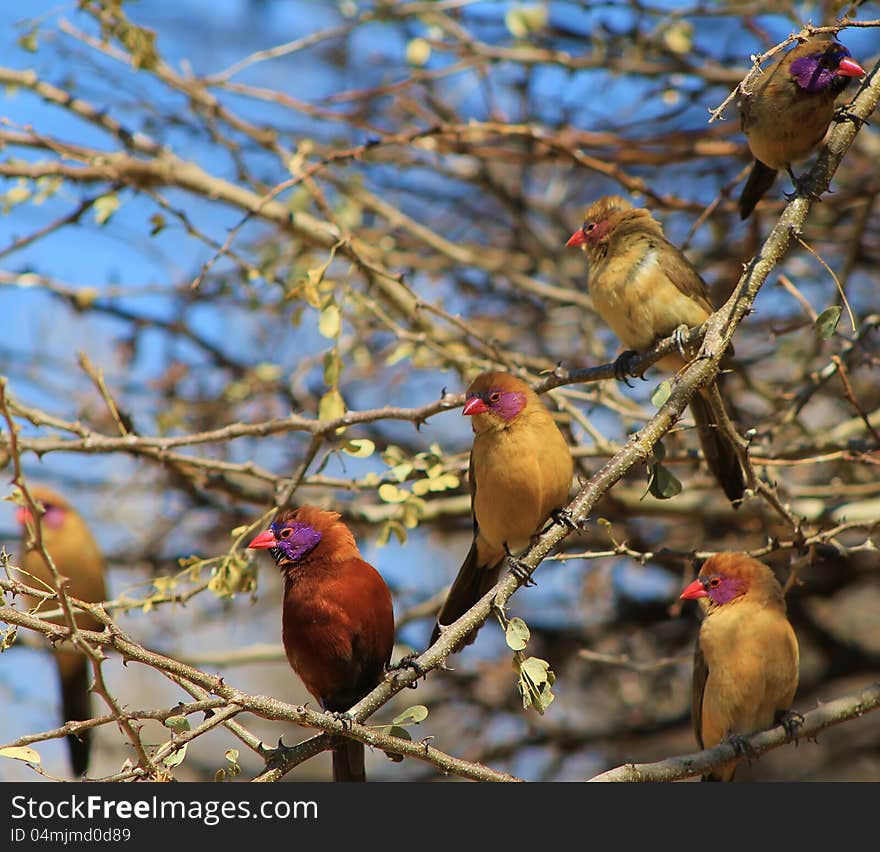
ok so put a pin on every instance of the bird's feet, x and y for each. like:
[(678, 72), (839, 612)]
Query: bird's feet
[(842, 113), (742, 747), (565, 518), (791, 720), (678, 337), (519, 569), (408, 662), (801, 188), (343, 717), (623, 367)]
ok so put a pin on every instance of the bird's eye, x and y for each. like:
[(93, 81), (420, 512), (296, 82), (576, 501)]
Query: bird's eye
[(590, 227), (714, 583), (286, 532), (495, 396)]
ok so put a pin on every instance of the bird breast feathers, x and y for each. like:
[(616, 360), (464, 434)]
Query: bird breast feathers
[(519, 474)]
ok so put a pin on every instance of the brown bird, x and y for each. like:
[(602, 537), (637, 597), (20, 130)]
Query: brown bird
[(746, 657), (520, 474), (77, 557), (645, 288), (337, 619), (788, 113)]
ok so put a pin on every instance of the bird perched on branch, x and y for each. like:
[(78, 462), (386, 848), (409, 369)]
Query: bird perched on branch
[(77, 557), (520, 474), (644, 288), (787, 114), (337, 619), (746, 657)]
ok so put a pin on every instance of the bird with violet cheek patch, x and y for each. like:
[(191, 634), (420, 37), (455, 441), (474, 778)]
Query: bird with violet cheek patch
[(520, 474), (786, 116), (337, 618), (77, 557), (746, 656)]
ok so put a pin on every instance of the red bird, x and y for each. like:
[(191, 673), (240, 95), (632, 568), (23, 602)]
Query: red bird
[(520, 473), (77, 557), (337, 616), (746, 657), (789, 111)]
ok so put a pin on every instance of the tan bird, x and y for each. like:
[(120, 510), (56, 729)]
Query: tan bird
[(746, 657), (77, 556), (520, 473), (644, 288), (787, 114)]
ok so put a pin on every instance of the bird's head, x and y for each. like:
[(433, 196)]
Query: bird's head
[(726, 577), (495, 400), (822, 66), (288, 540), (602, 219), (295, 533), (56, 510)]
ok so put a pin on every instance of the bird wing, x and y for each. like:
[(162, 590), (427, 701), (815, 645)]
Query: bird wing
[(472, 484), (701, 673), (682, 273)]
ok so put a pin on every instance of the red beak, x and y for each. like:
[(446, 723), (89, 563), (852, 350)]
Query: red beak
[(474, 406), (578, 238), (693, 591), (850, 68), (22, 515), (264, 541)]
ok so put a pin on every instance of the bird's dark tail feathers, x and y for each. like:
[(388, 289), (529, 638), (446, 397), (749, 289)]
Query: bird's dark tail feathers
[(348, 761), (720, 454), (472, 582), (760, 180), (76, 706)]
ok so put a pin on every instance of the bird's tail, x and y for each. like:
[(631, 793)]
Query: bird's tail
[(474, 579), (760, 180), (720, 454), (348, 761), (76, 706)]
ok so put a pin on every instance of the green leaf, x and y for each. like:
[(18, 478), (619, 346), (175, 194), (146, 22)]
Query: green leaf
[(157, 221), (331, 406), (418, 52), (659, 452), (105, 207), (389, 493), (177, 723), (176, 757), (332, 368), (663, 484), (28, 41), (360, 448), (412, 715), (517, 634), (396, 731), (826, 322), (330, 322), (535, 679), (661, 393), (421, 487), (521, 20), (20, 753)]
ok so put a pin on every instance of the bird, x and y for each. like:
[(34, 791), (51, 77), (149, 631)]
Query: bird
[(746, 656), (77, 556), (644, 288), (520, 474), (337, 617), (788, 113)]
